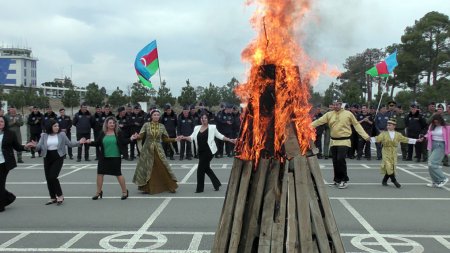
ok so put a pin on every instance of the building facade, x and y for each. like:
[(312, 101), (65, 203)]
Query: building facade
[(17, 67)]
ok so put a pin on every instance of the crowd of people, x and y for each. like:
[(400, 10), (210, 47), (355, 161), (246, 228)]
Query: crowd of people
[(150, 137), (345, 133)]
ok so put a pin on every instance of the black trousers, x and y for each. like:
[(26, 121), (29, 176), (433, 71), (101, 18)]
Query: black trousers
[(86, 146), (418, 146), (318, 141), (339, 153), (204, 167), (363, 146), (219, 144), (185, 146), (3, 192), (52, 167), (97, 149), (35, 137), (133, 144), (69, 149)]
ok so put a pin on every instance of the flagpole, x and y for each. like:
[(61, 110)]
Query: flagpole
[(159, 72), (381, 96)]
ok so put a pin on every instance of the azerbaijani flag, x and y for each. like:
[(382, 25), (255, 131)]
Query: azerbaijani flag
[(385, 67), (146, 63)]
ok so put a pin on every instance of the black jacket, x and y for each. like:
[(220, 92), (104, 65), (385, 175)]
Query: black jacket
[(185, 125), (8, 144), (46, 119), (65, 123), (83, 122), (170, 122), (415, 125), (122, 142), (35, 122)]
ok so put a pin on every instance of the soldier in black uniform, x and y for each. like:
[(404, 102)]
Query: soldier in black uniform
[(366, 120), (83, 121), (65, 124), (185, 127), (49, 115), (203, 110), (124, 123), (136, 122), (99, 119), (169, 120), (196, 118), (236, 123), (35, 122), (107, 111), (415, 128), (225, 121)]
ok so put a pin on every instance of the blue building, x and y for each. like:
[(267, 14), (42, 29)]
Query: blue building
[(17, 67)]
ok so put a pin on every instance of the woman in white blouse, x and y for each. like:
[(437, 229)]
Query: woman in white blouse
[(203, 136), (439, 146), (53, 148)]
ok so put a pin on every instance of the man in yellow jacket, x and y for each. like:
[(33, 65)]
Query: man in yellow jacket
[(340, 122)]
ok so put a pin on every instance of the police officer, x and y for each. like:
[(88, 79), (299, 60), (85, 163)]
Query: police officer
[(169, 120), (185, 127), (400, 127), (65, 124), (99, 119), (83, 122), (107, 111), (15, 121), (381, 120), (49, 115), (124, 123), (326, 136), (319, 130), (415, 127), (236, 123), (196, 118), (136, 122), (226, 122), (366, 121), (35, 122)]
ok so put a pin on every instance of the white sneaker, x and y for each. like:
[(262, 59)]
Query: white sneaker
[(441, 184), (334, 184), (432, 185), (343, 185)]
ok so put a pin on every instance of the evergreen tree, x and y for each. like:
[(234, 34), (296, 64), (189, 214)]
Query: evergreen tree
[(71, 98), (117, 98), (188, 95), (93, 95), (211, 95), (164, 96)]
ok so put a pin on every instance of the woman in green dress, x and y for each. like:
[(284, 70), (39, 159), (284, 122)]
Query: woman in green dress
[(153, 174), (111, 144)]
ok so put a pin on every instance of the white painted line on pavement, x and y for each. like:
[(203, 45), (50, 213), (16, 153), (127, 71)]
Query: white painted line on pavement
[(72, 241), (138, 234), (418, 176), (189, 174), (195, 243), (366, 166), (443, 241), (13, 240), (73, 171), (383, 242)]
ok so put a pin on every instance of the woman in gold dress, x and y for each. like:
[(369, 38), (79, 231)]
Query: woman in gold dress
[(153, 174)]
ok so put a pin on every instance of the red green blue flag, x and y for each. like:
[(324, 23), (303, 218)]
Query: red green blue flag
[(385, 67), (146, 63)]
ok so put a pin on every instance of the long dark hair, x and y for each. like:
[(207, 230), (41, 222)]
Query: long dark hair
[(49, 127), (439, 118), (6, 123)]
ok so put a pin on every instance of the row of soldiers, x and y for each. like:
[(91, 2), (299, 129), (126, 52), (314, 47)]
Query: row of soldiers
[(130, 120), (413, 124)]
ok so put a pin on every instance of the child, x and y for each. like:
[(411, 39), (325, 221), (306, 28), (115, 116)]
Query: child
[(390, 140)]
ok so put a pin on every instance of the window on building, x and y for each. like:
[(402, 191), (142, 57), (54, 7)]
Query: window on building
[(24, 72), (24, 82), (24, 63)]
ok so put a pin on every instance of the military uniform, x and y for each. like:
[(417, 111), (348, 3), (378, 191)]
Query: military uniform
[(137, 121), (185, 127), (99, 119), (65, 124), (401, 128), (46, 119), (368, 128), (83, 122), (35, 123), (15, 122), (169, 120), (124, 123)]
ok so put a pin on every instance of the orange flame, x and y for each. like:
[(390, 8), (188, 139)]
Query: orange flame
[(275, 45)]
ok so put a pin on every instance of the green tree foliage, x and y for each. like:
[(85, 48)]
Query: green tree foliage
[(228, 94), (211, 95), (71, 98), (351, 93), (425, 50), (93, 95), (117, 98), (199, 90), (331, 94), (188, 95), (17, 98), (139, 93), (164, 95)]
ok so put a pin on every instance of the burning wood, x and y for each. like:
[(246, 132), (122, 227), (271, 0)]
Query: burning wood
[(276, 199)]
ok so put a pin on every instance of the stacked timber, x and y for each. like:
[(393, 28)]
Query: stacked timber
[(277, 206)]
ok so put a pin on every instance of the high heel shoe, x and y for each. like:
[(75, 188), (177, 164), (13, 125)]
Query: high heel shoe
[(59, 200), (124, 196), (99, 195)]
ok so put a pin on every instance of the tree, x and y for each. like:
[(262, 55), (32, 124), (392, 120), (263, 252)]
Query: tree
[(71, 98), (188, 95), (227, 92), (331, 94), (426, 49), (164, 95), (117, 98), (199, 90), (351, 93), (17, 97), (139, 93), (315, 97), (211, 95), (93, 95)]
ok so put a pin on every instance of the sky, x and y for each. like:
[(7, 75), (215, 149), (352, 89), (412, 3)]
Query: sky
[(200, 40)]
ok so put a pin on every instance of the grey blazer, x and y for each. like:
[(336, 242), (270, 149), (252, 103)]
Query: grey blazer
[(63, 141)]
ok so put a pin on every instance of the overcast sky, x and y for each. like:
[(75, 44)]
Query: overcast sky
[(97, 41)]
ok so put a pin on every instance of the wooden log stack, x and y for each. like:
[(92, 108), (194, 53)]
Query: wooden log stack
[(277, 207)]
